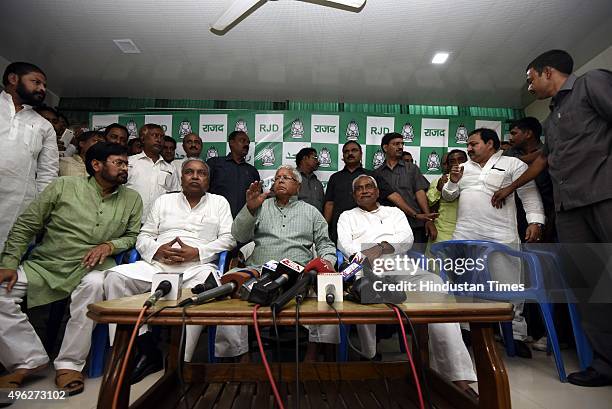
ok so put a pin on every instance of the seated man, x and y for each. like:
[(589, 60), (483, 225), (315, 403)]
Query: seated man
[(85, 219), (184, 232), (382, 232), (281, 227)]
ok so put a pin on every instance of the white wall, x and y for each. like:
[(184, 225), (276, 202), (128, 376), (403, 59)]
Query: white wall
[(52, 99), (539, 108)]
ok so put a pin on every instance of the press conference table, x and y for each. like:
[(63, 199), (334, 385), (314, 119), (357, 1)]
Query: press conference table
[(245, 385)]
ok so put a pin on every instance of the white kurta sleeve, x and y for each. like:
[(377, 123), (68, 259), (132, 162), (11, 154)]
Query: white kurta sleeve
[(146, 243), (346, 244), (450, 191), (225, 241), (47, 166), (530, 196)]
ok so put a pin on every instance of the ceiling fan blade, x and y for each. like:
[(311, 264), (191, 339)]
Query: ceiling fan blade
[(234, 12), (350, 3)]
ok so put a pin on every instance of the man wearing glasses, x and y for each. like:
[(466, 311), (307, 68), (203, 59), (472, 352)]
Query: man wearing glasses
[(86, 219), (281, 227)]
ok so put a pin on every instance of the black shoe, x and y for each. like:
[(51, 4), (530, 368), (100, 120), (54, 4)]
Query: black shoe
[(589, 377), (146, 365), (522, 349)]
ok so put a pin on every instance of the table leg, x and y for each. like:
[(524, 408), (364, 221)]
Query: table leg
[(493, 386), (111, 374)]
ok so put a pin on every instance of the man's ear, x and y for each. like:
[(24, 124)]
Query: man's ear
[(384, 148), (13, 79), (96, 165)]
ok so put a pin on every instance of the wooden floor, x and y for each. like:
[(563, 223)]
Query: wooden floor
[(370, 394)]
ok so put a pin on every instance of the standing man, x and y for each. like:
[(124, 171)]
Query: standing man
[(85, 220), (150, 175), (474, 183), (339, 196), (192, 145), (27, 142), (409, 182), (169, 150), (311, 189), (231, 175), (116, 133), (577, 150)]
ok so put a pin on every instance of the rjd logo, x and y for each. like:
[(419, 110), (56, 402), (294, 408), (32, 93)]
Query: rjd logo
[(268, 128), (325, 128), (461, 136), (212, 128), (433, 161), (352, 131), (184, 128), (297, 129), (379, 130), (267, 157), (378, 159), (241, 126), (408, 132), (132, 128), (325, 159), (211, 152)]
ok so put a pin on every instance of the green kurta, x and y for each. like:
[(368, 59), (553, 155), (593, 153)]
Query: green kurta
[(75, 218)]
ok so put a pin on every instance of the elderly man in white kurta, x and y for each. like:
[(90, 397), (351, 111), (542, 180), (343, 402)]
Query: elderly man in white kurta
[(27, 142), (474, 184), (184, 232), (378, 232)]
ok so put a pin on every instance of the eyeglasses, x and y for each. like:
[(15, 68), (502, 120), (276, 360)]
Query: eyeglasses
[(284, 178), (119, 163), (369, 186)]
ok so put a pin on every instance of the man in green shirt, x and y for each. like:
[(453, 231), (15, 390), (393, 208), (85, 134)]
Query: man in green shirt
[(85, 219)]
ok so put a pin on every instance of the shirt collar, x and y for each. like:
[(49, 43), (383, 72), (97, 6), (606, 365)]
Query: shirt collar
[(292, 201), (567, 87), (230, 158), (143, 155), (203, 199), (9, 99), (378, 207), (345, 169), (94, 184)]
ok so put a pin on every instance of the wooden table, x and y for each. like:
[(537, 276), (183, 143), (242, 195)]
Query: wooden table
[(230, 385)]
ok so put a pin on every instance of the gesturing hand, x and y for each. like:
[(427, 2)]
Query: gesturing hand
[(456, 173), (255, 197)]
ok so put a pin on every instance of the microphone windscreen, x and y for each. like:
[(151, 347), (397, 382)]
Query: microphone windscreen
[(319, 266)]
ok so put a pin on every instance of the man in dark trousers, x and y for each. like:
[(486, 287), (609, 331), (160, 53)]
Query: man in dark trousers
[(578, 134)]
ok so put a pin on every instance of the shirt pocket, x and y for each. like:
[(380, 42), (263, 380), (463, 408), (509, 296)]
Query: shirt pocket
[(208, 229), (495, 179), (32, 138)]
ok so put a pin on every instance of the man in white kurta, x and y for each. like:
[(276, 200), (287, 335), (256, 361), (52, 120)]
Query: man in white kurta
[(27, 142), (474, 184), (377, 232), (149, 174), (184, 232)]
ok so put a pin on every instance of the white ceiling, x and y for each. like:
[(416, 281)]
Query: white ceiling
[(301, 50)]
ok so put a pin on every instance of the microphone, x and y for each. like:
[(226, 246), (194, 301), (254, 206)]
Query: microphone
[(209, 284), (267, 272), (330, 294), (230, 283), (350, 270), (263, 292), (162, 289)]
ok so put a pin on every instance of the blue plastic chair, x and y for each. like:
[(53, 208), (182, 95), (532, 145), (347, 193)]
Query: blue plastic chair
[(100, 338), (537, 291)]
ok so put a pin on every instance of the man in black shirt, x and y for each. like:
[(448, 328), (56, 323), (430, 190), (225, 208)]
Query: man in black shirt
[(231, 175), (578, 134), (339, 192)]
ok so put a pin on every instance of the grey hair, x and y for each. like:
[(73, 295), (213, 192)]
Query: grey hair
[(364, 176), (187, 160), (296, 173)]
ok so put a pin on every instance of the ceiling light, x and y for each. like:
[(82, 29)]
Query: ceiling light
[(439, 58), (127, 46)]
